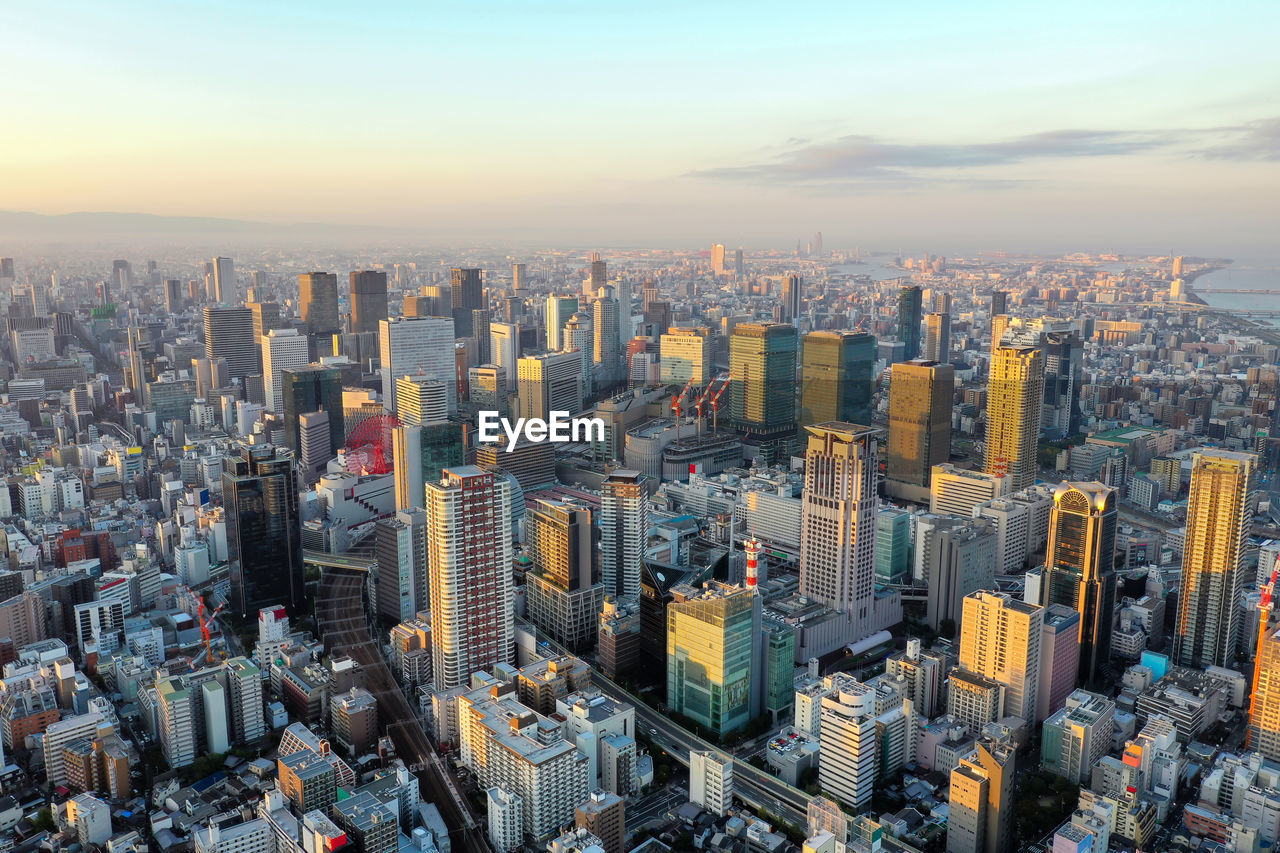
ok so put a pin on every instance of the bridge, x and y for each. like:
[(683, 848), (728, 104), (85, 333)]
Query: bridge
[(1237, 290)]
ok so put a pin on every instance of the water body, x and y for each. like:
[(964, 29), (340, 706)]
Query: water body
[(1251, 277), (877, 273)]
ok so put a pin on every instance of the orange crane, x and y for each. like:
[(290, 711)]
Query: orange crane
[(715, 399), (1264, 625), (677, 403)]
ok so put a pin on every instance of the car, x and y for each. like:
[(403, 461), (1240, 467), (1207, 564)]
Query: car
[(653, 731)]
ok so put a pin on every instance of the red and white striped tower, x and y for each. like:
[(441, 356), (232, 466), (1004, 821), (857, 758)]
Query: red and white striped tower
[(752, 549)]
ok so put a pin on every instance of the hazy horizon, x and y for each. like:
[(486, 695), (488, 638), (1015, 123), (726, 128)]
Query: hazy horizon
[(1135, 128)]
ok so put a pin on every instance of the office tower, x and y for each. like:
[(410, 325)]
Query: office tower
[(559, 310), (762, 363), (282, 349), (597, 273), (1063, 376), (564, 597), (228, 334), (956, 491), (738, 266), (920, 394), (421, 452), (466, 294), (606, 322), (893, 546), (1013, 414), (1000, 640), (1219, 517), (1078, 568), (578, 334), (226, 287), (982, 798), (487, 386), (173, 298), (999, 302), (418, 346), (261, 502), (1076, 737), (838, 522), (954, 557), (318, 302), (266, 316), (136, 374), (312, 388), (792, 297), (211, 374), (717, 259), (24, 619), (909, 310), (711, 781), (937, 337), (712, 636), (847, 765), (469, 550), (624, 527), (519, 276), (421, 400), (1059, 658), (550, 382), (504, 350), (604, 816), (368, 300), (686, 355), (835, 382)]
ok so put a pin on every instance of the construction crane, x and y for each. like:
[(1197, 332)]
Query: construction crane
[(677, 402), (206, 636), (725, 378), (1267, 592)]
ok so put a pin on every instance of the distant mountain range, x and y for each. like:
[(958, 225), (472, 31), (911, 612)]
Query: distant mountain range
[(22, 225)]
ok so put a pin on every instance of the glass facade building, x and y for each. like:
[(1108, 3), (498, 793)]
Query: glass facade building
[(835, 382), (711, 635), (312, 389), (762, 361), (260, 497)]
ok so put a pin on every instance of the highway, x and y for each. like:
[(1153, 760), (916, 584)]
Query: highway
[(340, 618)]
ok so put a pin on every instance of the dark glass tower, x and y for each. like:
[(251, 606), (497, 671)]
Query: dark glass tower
[(318, 302), (466, 294), (1079, 568), (312, 389), (368, 300), (260, 497), (909, 316), (762, 362), (835, 377)]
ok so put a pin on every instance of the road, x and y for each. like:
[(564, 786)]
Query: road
[(341, 620)]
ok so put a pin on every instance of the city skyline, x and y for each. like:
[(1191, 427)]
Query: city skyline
[(1124, 128)]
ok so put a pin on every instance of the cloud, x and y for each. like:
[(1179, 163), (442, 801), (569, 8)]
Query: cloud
[(877, 162)]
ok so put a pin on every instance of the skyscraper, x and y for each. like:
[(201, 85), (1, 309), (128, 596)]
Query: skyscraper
[(312, 388), (550, 382), (1264, 707), (686, 355), (1219, 516), (564, 596), (624, 527), (504, 350), (1078, 567), (400, 545), (519, 276), (421, 400), (606, 319), (469, 550), (712, 636), (909, 308), (282, 349), (560, 310), (982, 798), (792, 297), (835, 383), (266, 316), (261, 501), (228, 333), (937, 337), (999, 302), (762, 361), (1000, 640), (838, 522), (1013, 414), (579, 335), (368, 300), (920, 394), (466, 293), (717, 259), (226, 286), (597, 272), (318, 302), (418, 346), (419, 455)]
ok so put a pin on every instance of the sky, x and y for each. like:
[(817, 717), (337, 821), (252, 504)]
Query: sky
[(1118, 126)]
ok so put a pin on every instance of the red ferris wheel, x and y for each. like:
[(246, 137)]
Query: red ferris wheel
[(369, 446)]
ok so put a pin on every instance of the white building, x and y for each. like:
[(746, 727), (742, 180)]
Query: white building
[(505, 826), (282, 349), (711, 781), (91, 817), (418, 346), (847, 765), (253, 836)]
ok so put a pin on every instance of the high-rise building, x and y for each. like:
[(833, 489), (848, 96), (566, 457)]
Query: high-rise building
[(266, 316), (226, 287), (909, 309), (686, 355), (260, 496), (1219, 517), (421, 452), (282, 349), (999, 302), (956, 491), (597, 272), (717, 259), (368, 300), (738, 266), (400, 545), (920, 395), (1076, 737), (1000, 640), (762, 364), (421, 400), (466, 294), (418, 346), (1013, 414), (835, 383), (606, 324), (174, 301), (318, 302), (519, 276), (847, 763), (838, 522), (469, 550), (792, 297), (937, 337), (624, 528), (893, 546), (982, 798), (550, 382), (1059, 658), (312, 388), (604, 816), (564, 595), (504, 350), (1079, 568), (712, 639), (559, 310), (954, 557), (228, 334)]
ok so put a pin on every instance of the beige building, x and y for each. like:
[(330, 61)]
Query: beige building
[(981, 803), (1014, 394), (1000, 639), (686, 356), (919, 424)]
